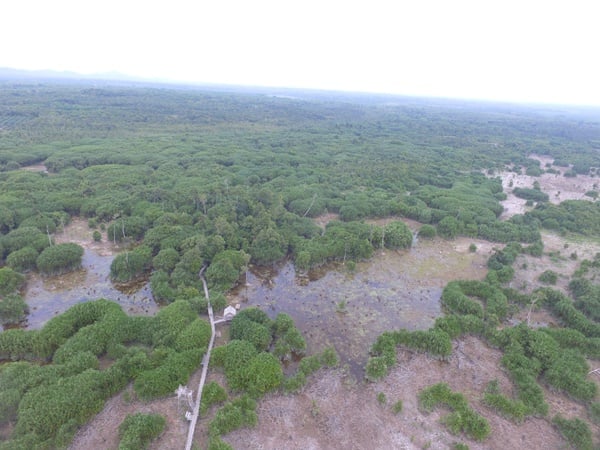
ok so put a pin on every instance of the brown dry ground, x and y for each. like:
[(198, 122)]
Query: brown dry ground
[(558, 187), (334, 411), (78, 232)]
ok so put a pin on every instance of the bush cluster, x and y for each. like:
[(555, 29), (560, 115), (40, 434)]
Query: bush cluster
[(462, 418), (55, 384), (138, 430)]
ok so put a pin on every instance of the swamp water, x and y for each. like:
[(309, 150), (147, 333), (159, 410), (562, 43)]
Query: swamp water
[(350, 309), (48, 297), (331, 306)]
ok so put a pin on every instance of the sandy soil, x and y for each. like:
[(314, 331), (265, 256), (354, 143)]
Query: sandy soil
[(102, 431), (562, 255), (324, 219), (78, 232), (557, 186), (35, 168), (331, 413)]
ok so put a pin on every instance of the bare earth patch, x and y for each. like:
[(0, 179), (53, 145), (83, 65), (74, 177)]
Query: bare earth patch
[(332, 412), (558, 187), (36, 168), (558, 251), (78, 232), (102, 431)]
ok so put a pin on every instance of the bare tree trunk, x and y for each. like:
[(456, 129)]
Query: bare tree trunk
[(48, 233), (311, 205)]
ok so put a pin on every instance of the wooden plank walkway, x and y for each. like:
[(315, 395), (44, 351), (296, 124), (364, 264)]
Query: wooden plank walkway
[(205, 361)]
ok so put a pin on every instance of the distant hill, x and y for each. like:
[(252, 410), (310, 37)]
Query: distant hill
[(12, 74)]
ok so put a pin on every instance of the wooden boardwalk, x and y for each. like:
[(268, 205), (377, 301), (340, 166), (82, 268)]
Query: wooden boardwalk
[(205, 361)]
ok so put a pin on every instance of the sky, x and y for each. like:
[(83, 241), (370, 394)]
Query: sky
[(508, 50)]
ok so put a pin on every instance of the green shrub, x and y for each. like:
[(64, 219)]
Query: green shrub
[(225, 269), (376, 368), (548, 277), (13, 309), (166, 260), (329, 357), (164, 379), (236, 414), (455, 301), (216, 443), (256, 333), (170, 321), (514, 410), (212, 394), (58, 329), (9, 403), (294, 383), (575, 431), (568, 372), (26, 236), (60, 258), (16, 344), (217, 356), (128, 265), (138, 430), (45, 409), (530, 194), (427, 232), (309, 365), (23, 260), (10, 281), (282, 323), (262, 374), (397, 235), (594, 412), (253, 325), (238, 355), (126, 228), (462, 418), (195, 335)]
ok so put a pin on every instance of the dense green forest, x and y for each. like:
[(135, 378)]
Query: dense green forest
[(204, 172), (189, 178)]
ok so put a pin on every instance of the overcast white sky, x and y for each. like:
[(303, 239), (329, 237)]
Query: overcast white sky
[(511, 50)]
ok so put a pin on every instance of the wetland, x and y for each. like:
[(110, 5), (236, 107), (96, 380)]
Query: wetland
[(409, 240)]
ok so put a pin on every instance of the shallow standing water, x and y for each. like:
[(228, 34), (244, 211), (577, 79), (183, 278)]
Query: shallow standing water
[(331, 306), (349, 310), (50, 296)]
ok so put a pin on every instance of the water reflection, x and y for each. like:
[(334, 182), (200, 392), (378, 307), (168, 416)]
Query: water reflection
[(342, 309), (48, 297)]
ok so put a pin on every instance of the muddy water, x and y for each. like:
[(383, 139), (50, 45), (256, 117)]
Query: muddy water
[(331, 306), (349, 310), (50, 296)]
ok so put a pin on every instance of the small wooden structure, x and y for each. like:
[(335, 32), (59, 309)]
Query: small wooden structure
[(229, 313)]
